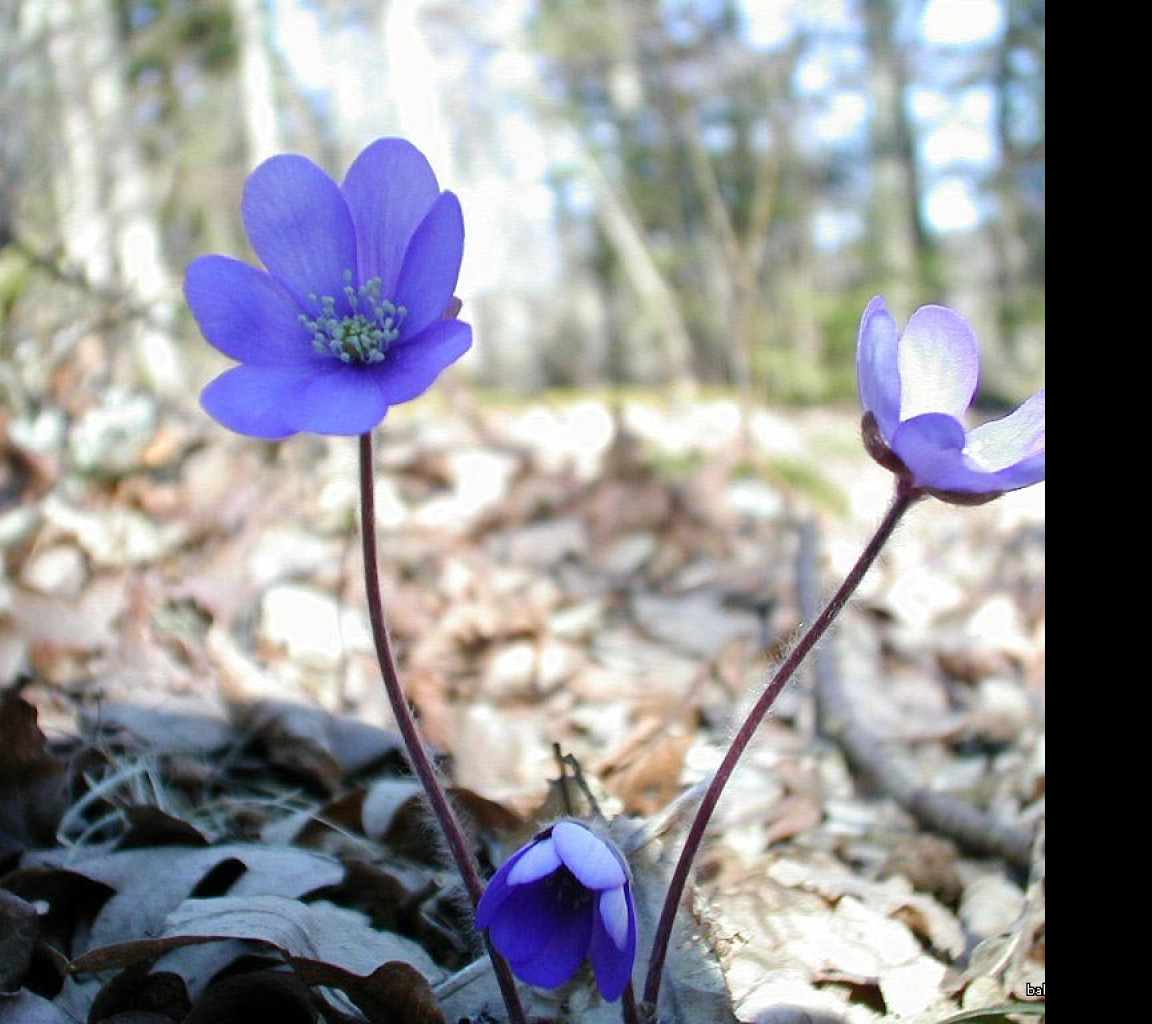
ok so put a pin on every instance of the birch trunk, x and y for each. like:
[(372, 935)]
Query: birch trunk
[(102, 189)]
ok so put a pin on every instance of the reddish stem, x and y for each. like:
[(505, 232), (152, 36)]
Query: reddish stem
[(902, 500), (413, 744)]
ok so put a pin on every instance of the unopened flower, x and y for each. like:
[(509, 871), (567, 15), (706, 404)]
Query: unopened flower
[(563, 898), (915, 387), (355, 311)]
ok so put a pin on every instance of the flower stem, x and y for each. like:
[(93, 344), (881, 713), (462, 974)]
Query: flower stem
[(904, 497), (413, 744), (628, 1011)]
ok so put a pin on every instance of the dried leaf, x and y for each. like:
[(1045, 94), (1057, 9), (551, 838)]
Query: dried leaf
[(32, 780), (311, 933), (148, 884), (394, 991), (18, 932), (26, 1007)]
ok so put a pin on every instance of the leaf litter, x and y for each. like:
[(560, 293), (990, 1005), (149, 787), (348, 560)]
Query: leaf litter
[(203, 807)]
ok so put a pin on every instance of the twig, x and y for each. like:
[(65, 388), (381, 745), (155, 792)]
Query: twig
[(972, 828)]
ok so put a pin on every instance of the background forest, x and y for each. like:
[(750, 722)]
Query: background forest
[(656, 191), (599, 531)]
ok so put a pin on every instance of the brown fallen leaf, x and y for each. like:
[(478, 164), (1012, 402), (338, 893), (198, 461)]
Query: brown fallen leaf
[(18, 933), (33, 782)]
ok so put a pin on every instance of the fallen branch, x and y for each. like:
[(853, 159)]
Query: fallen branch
[(970, 827)]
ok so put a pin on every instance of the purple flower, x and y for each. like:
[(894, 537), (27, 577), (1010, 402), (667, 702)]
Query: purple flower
[(916, 386), (355, 312), (561, 899)]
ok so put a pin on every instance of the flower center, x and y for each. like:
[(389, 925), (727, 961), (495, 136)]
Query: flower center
[(364, 334), (567, 891)]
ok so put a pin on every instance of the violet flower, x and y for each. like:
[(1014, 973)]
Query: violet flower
[(916, 386), (355, 312), (563, 898)]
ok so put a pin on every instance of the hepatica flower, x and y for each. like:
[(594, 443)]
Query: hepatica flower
[(353, 312), (562, 899), (915, 387)]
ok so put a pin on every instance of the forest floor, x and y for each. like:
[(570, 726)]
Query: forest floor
[(219, 817)]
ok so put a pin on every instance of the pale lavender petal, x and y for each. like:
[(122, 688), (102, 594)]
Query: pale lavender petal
[(299, 225), (614, 915), (244, 313), (498, 889), (431, 265), (257, 401), (539, 859), (1023, 474), (390, 187), (588, 857), (612, 961), (1005, 442), (939, 360), (412, 366), (932, 447), (877, 373), (341, 400)]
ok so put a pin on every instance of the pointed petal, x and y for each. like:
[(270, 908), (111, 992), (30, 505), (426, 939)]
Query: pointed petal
[(343, 400), (877, 373), (932, 447), (539, 859), (299, 225), (390, 187), (431, 265), (613, 946), (587, 856), (244, 313), (1005, 442), (412, 366), (939, 360), (256, 401), (498, 889)]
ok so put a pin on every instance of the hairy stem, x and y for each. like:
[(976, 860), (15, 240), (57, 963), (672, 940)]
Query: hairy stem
[(902, 500), (413, 744)]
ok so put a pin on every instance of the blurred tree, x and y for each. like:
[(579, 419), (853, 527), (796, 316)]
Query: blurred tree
[(1018, 183)]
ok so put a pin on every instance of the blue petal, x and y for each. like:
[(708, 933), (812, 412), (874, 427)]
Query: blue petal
[(588, 857), (343, 400), (932, 447), (1023, 474), (498, 889), (877, 373), (257, 401), (939, 359), (431, 265), (300, 227), (560, 957), (245, 313), (613, 946), (390, 187), (528, 918), (412, 366), (545, 942)]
